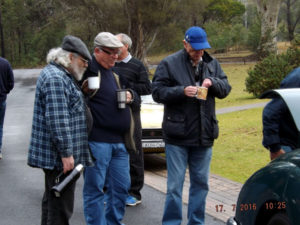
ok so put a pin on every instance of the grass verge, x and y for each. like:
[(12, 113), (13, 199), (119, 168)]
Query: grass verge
[(238, 151), (237, 74)]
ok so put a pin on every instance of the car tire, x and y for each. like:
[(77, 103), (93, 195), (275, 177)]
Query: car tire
[(279, 219)]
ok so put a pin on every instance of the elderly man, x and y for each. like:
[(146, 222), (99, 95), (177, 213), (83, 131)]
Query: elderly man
[(110, 137), (59, 139), (136, 73), (189, 124)]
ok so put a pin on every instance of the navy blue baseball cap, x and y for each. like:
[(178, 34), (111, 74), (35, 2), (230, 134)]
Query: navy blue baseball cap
[(197, 38)]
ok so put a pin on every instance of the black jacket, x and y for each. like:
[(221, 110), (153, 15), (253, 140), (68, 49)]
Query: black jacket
[(188, 121), (278, 125), (6, 79)]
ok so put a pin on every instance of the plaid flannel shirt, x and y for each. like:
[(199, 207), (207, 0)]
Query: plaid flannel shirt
[(59, 126)]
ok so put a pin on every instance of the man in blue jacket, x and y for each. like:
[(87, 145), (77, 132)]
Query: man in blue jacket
[(280, 134), (189, 124), (6, 85)]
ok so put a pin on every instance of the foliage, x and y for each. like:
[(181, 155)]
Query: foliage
[(289, 18), (32, 27), (254, 35), (223, 36), (268, 14), (223, 11), (269, 72), (237, 74), (169, 39), (219, 36), (296, 42)]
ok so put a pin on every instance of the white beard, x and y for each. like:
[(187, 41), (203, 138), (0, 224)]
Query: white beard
[(77, 71)]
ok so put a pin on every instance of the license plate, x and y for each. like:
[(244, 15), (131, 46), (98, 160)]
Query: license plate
[(153, 145)]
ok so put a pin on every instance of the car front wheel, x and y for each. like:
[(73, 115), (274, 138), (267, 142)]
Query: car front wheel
[(279, 219)]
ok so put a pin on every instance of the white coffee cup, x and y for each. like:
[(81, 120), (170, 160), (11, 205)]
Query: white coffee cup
[(121, 97), (93, 82)]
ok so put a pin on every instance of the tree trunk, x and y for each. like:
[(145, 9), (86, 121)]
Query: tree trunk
[(1, 35), (136, 31), (289, 20), (268, 11), (292, 17)]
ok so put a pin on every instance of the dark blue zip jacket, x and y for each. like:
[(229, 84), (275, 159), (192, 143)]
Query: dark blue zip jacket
[(278, 125), (6, 79)]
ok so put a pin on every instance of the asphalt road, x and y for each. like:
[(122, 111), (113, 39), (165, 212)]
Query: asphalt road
[(21, 187)]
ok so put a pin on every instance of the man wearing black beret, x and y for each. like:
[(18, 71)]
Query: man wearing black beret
[(59, 139)]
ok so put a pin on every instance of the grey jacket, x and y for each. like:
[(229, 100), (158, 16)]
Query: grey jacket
[(188, 121)]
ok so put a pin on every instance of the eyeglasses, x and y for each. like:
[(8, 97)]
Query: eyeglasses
[(83, 60), (110, 53)]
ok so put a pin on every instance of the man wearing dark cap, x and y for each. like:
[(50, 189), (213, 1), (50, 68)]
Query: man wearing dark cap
[(189, 124), (59, 139), (110, 138)]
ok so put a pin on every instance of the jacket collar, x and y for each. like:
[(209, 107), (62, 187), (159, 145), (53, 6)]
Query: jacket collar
[(206, 57)]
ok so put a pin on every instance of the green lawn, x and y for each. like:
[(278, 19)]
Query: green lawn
[(238, 151), (237, 74)]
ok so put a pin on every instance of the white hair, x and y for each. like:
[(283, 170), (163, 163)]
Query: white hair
[(59, 56), (125, 39)]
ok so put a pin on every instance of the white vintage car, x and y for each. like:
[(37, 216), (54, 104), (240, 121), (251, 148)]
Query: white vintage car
[(151, 117)]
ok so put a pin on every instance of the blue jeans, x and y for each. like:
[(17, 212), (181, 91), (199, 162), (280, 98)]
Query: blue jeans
[(198, 159), (2, 114), (111, 166)]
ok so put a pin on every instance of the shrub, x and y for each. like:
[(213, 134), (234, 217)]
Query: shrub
[(268, 73)]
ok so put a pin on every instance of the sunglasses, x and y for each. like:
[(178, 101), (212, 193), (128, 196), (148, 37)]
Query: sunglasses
[(109, 52)]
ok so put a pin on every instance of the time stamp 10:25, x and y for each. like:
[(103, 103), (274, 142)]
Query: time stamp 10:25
[(252, 206)]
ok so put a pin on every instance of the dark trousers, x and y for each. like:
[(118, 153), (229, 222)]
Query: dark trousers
[(137, 160), (56, 210), (2, 114)]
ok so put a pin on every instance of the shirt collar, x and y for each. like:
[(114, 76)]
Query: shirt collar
[(195, 65), (126, 60)]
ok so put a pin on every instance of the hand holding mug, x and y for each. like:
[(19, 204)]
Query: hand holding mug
[(190, 91), (129, 97), (206, 83)]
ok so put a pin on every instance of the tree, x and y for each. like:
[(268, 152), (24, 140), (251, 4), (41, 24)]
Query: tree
[(145, 19), (15, 28), (223, 11), (1, 34), (49, 27), (291, 10), (191, 12), (268, 11)]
